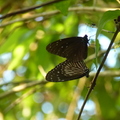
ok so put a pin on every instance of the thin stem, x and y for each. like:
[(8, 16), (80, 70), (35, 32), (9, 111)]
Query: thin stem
[(98, 71)]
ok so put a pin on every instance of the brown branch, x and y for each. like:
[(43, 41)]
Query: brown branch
[(46, 14), (29, 9), (98, 71)]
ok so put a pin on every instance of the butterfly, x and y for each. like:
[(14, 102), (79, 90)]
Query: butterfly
[(73, 48), (68, 70)]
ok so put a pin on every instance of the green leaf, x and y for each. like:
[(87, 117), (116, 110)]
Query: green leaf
[(63, 6), (12, 40), (107, 16)]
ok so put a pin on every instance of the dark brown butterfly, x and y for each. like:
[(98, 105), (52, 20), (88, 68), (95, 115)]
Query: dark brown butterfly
[(73, 48), (68, 70)]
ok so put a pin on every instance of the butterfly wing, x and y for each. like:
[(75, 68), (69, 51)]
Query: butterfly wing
[(73, 48), (67, 70)]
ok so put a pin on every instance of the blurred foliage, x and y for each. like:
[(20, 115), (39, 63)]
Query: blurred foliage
[(24, 62)]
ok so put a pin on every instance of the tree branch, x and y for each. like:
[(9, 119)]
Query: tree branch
[(46, 14), (28, 9), (21, 87)]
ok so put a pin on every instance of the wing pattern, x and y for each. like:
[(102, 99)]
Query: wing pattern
[(68, 70)]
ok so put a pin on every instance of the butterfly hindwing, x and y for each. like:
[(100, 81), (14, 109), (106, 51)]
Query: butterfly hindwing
[(73, 48), (68, 70)]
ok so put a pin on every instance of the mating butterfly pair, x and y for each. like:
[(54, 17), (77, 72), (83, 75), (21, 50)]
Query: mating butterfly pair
[(75, 50)]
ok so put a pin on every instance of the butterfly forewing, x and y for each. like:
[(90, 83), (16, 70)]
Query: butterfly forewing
[(73, 48), (67, 70)]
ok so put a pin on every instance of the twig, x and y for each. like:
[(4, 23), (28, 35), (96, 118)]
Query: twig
[(29, 9), (91, 9), (21, 87), (18, 100), (109, 73), (93, 56), (114, 73), (98, 71), (46, 14), (17, 83)]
